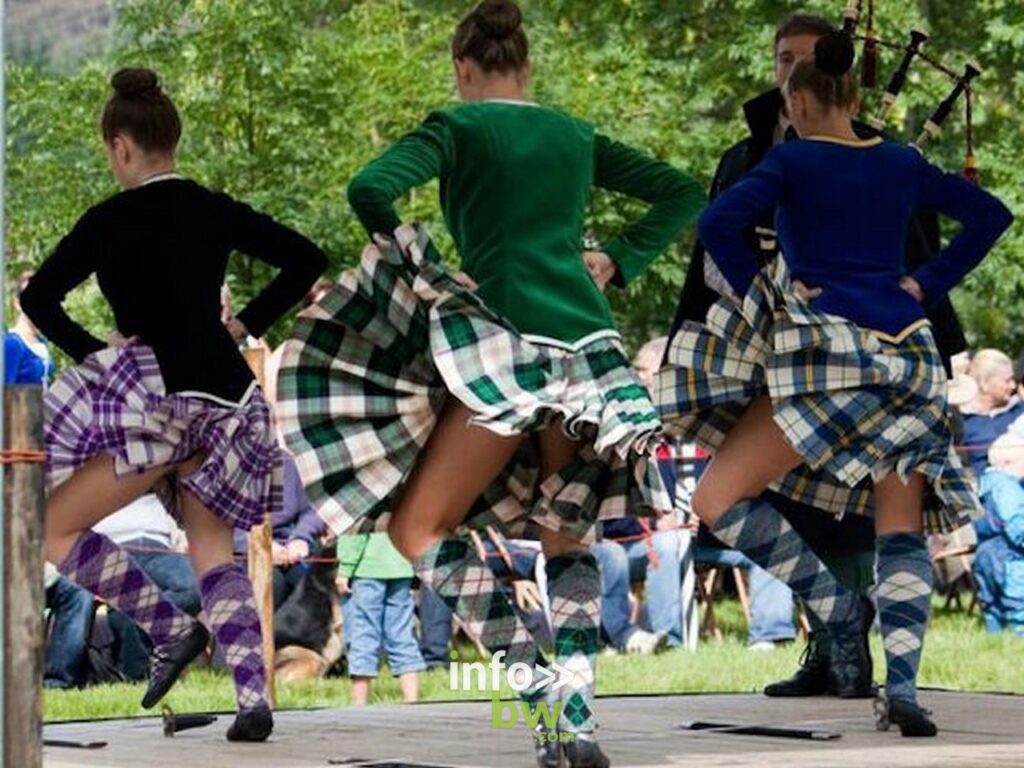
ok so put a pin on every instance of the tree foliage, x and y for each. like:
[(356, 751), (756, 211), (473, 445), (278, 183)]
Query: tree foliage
[(283, 100)]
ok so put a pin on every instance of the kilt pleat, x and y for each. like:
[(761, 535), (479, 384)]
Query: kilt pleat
[(115, 403), (855, 405), (369, 368)]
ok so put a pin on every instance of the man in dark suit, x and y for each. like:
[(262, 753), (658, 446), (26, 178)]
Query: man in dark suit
[(846, 546)]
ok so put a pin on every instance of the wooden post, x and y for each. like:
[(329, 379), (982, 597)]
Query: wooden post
[(24, 505), (260, 553)]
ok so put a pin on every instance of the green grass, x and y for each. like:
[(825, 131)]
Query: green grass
[(958, 655)]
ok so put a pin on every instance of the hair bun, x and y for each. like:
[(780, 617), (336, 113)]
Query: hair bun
[(834, 54), (499, 19), (134, 82)]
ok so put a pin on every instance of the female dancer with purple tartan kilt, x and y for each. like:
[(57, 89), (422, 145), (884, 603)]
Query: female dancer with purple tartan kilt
[(833, 394), (173, 405), (422, 404)]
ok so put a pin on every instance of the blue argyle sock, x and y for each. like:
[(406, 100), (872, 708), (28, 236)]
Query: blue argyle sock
[(904, 602)]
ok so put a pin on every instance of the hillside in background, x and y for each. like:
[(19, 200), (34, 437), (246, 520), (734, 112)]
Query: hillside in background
[(56, 33)]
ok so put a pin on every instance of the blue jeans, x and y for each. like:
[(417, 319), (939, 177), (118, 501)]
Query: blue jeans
[(435, 628), (621, 563), (379, 612), (771, 601), (172, 572), (71, 611)]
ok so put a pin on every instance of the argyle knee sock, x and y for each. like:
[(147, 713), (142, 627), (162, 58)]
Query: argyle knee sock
[(452, 569), (756, 529), (230, 611), (904, 602), (100, 566), (574, 588)]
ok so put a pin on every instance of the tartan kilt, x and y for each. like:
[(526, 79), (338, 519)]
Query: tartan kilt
[(115, 402), (855, 406), (370, 367)]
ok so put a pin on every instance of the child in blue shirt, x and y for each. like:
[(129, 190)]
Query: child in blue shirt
[(999, 560)]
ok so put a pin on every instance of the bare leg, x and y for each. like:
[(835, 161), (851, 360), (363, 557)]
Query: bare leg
[(361, 690), (904, 595), (752, 456), (410, 685), (899, 506), (457, 465), (89, 495), (210, 539)]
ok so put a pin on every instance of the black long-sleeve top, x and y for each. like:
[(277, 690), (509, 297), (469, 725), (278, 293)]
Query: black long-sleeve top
[(160, 252)]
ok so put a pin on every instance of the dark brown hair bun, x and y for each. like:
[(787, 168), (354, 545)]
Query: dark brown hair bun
[(492, 35), (499, 19), (139, 108), (131, 82), (834, 54)]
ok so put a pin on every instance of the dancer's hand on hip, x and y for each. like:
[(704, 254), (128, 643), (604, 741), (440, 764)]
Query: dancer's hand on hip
[(463, 279), (911, 286), (237, 330), (115, 339), (805, 293), (600, 266)]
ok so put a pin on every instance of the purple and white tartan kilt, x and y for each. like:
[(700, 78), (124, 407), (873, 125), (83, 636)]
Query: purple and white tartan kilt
[(115, 402), (370, 367), (855, 405)]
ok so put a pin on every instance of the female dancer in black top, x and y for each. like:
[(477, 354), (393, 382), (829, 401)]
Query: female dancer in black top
[(172, 403)]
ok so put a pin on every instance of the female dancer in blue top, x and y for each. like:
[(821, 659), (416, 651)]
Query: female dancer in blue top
[(828, 386)]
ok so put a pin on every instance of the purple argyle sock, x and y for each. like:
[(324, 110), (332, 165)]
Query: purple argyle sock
[(100, 566), (230, 611)]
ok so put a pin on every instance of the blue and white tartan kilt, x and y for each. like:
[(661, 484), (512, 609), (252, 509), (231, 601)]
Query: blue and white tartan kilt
[(369, 368), (856, 406)]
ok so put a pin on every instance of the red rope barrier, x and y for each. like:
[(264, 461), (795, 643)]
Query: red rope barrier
[(8, 456), (647, 535)]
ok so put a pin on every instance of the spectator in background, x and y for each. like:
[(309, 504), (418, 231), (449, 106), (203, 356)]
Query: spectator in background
[(621, 633), (999, 560), (297, 529), (963, 391), (157, 545), (375, 584), (27, 358), (634, 550), (995, 407), (771, 601), (435, 629), (71, 613)]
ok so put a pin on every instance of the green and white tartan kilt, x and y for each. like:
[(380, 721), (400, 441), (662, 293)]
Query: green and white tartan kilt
[(855, 406), (370, 367)]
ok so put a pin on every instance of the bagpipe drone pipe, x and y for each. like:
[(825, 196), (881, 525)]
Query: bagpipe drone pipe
[(862, 13)]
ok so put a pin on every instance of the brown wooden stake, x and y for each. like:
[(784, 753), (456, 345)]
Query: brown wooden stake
[(23, 601), (260, 552)]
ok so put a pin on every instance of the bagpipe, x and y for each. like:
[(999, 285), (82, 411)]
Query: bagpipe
[(864, 10)]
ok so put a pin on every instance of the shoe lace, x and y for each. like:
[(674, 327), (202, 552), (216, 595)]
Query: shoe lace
[(811, 654)]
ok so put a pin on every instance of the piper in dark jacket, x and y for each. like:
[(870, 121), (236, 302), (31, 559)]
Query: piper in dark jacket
[(846, 546)]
